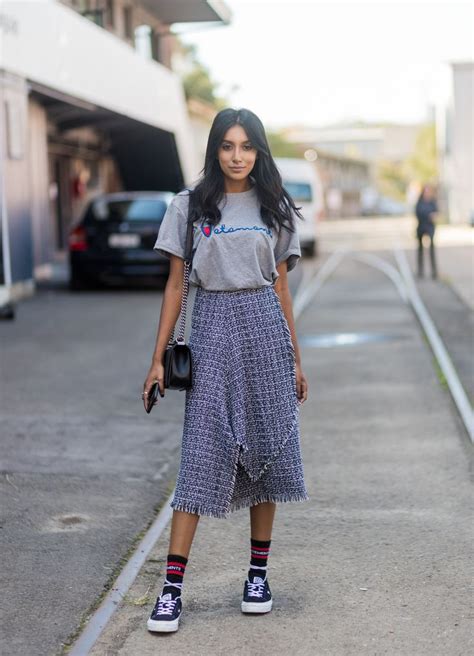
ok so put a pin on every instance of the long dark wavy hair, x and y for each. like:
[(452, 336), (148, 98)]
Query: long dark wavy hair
[(276, 205)]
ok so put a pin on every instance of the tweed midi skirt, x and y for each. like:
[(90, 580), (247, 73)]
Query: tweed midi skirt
[(241, 438)]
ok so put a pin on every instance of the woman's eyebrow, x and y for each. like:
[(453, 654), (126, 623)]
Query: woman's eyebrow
[(232, 142)]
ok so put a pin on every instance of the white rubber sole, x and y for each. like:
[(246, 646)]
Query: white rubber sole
[(256, 606), (157, 626)]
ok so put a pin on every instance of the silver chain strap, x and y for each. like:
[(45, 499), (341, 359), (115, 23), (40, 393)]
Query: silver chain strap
[(184, 304), (184, 293)]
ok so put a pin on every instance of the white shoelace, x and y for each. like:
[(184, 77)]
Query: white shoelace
[(255, 589), (166, 606)]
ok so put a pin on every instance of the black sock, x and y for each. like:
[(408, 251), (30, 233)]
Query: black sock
[(259, 552), (175, 568)]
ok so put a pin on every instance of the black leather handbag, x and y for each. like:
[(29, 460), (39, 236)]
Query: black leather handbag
[(177, 361)]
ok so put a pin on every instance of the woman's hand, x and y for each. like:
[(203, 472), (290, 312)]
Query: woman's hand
[(301, 385), (156, 373)]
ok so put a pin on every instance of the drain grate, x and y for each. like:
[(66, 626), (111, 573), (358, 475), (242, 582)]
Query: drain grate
[(327, 340)]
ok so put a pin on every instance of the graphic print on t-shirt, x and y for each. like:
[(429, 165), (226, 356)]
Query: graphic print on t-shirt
[(206, 229)]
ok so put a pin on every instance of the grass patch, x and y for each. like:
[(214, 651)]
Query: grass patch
[(144, 600), (439, 372)]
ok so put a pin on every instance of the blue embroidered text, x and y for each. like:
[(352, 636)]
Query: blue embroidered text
[(223, 229)]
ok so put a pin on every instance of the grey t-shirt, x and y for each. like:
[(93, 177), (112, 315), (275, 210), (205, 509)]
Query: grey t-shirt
[(240, 252)]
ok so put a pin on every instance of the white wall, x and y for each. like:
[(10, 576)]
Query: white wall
[(455, 139), (51, 44), (463, 141)]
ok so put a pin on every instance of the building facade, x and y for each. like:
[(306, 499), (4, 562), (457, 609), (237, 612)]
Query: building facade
[(455, 139), (88, 104), (348, 157)]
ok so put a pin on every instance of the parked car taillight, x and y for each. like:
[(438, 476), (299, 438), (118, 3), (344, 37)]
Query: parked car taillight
[(78, 239)]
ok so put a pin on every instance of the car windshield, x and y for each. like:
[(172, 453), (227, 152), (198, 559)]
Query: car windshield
[(299, 191), (128, 210)]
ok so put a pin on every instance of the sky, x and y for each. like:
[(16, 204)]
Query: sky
[(318, 63)]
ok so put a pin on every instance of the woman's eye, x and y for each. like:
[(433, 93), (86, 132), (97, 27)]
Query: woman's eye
[(228, 146)]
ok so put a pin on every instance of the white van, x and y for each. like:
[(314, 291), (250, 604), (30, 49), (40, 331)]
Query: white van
[(302, 182)]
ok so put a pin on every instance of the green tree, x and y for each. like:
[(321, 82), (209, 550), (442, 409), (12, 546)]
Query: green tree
[(422, 165), (197, 81), (280, 147), (391, 178)]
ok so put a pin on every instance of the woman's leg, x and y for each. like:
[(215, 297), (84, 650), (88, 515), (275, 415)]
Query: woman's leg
[(257, 597), (261, 520), (167, 610), (183, 528), (434, 272), (420, 255)]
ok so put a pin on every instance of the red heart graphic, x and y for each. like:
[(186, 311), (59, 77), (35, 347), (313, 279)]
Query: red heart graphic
[(207, 230)]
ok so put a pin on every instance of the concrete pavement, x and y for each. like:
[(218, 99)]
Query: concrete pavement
[(378, 561), (386, 461)]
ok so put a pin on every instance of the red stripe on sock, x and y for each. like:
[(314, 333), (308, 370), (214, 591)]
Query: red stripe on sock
[(255, 556), (172, 562), (173, 571)]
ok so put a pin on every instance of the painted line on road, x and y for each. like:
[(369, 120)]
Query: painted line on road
[(387, 268), (441, 354), (405, 284), (308, 274), (304, 298)]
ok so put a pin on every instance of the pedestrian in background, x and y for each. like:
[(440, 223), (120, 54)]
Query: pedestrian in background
[(240, 444), (426, 210)]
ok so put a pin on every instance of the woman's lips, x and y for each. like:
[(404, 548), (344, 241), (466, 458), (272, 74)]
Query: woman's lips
[(237, 168)]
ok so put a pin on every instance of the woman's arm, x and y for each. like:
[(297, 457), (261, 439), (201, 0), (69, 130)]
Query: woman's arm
[(283, 291), (170, 309)]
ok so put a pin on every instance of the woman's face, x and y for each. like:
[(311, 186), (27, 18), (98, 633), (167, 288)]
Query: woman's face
[(428, 192), (236, 154)]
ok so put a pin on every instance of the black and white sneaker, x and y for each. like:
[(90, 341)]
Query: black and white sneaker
[(257, 596), (166, 613)]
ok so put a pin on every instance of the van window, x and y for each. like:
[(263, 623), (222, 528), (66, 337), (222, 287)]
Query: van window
[(301, 192)]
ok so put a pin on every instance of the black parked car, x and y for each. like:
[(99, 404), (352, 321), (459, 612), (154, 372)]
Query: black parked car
[(115, 238)]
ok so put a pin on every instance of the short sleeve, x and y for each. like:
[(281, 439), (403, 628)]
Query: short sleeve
[(172, 231), (287, 247)]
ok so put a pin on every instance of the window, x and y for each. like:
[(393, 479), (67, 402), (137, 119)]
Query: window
[(110, 11), (128, 22), (95, 15), (128, 210), (299, 191)]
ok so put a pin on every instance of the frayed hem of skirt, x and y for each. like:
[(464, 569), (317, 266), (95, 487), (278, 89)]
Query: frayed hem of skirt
[(269, 498), (196, 509)]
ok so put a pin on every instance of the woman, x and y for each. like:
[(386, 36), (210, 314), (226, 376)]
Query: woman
[(425, 210), (240, 444)]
